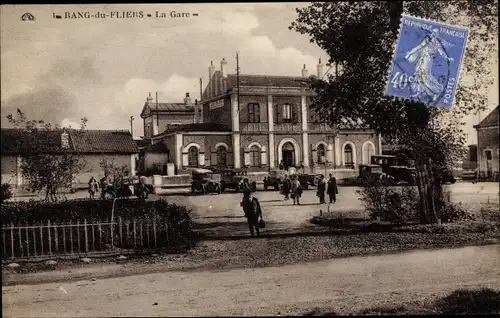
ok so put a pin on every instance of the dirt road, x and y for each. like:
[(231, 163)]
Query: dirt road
[(345, 284)]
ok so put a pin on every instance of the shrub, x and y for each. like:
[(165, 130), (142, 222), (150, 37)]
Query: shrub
[(451, 212), (6, 192), (394, 204)]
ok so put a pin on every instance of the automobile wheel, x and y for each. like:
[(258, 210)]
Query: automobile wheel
[(315, 181)]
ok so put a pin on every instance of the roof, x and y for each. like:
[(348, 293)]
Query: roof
[(168, 107), (272, 81), (489, 121), (198, 127), (141, 143), (158, 147), (19, 141)]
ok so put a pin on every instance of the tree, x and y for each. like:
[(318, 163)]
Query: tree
[(360, 37), (113, 172), (46, 164)]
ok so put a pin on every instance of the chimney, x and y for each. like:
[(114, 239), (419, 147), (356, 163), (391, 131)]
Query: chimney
[(187, 99), (65, 140), (211, 71), (320, 70), (149, 100), (223, 67), (305, 72)]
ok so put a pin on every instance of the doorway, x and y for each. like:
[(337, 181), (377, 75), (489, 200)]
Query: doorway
[(288, 155)]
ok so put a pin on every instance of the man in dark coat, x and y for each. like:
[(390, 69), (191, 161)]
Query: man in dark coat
[(287, 187), (321, 189), (252, 210), (332, 189)]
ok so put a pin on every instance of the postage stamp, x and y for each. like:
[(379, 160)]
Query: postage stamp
[(427, 61)]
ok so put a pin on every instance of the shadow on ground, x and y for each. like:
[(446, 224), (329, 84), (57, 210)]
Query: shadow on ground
[(460, 302)]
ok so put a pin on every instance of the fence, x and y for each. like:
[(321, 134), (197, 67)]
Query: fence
[(78, 239)]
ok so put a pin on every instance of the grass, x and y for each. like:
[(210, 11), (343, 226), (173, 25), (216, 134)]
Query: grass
[(460, 302)]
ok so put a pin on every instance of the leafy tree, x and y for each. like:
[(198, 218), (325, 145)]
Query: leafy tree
[(46, 165), (114, 173), (6, 192), (360, 37)]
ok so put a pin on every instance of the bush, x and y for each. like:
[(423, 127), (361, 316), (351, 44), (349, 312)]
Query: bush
[(452, 212), (31, 212), (393, 204), (6, 192)]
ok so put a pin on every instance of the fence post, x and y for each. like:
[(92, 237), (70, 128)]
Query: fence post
[(142, 233), (92, 226), (86, 235), (78, 235), (121, 231), (71, 236), (50, 238), (41, 238), (56, 238), (34, 240), (154, 230), (4, 243), (64, 237), (12, 239), (135, 233), (99, 228), (19, 234), (27, 241), (148, 225), (127, 230)]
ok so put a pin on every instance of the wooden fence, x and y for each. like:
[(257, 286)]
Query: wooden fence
[(84, 238)]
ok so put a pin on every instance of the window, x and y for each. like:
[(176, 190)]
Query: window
[(193, 156), (348, 157), (254, 156), (368, 152), (321, 151), (221, 156), (287, 113), (253, 113)]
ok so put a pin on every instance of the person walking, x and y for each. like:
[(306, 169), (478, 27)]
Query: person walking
[(296, 190), (332, 189), (251, 208), (321, 189), (281, 165), (93, 187), (287, 187)]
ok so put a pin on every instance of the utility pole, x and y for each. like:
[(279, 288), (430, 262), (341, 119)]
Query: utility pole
[(132, 126), (238, 79), (157, 114), (200, 107)]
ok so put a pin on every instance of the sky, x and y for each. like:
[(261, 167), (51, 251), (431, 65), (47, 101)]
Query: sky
[(61, 70)]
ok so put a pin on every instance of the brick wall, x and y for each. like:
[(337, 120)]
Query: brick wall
[(261, 100), (219, 115)]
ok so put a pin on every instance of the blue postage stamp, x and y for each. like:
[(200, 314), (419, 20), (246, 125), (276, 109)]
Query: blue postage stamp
[(427, 61)]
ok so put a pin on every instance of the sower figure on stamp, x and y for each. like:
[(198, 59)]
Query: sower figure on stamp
[(332, 189), (252, 210)]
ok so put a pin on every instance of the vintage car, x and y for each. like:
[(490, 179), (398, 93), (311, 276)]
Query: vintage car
[(236, 179), (205, 181), (275, 179), (307, 179), (133, 186), (369, 173)]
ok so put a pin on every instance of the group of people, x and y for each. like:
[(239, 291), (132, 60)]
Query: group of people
[(293, 188)]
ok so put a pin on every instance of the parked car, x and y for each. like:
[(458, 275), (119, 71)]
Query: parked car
[(205, 181), (275, 179), (235, 179), (307, 180), (369, 173)]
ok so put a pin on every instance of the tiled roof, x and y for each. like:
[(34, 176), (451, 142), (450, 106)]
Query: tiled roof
[(491, 120), (271, 81), (198, 127), (172, 107), (17, 141)]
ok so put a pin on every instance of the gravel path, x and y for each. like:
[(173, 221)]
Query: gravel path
[(345, 284)]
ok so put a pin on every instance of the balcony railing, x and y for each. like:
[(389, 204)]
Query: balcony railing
[(319, 127), (254, 127), (286, 127)]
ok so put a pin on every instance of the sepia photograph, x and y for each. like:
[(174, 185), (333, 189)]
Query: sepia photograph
[(250, 159)]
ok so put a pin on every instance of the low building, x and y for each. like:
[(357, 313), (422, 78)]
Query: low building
[(487, 145), (271, 124), (93, 146)]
